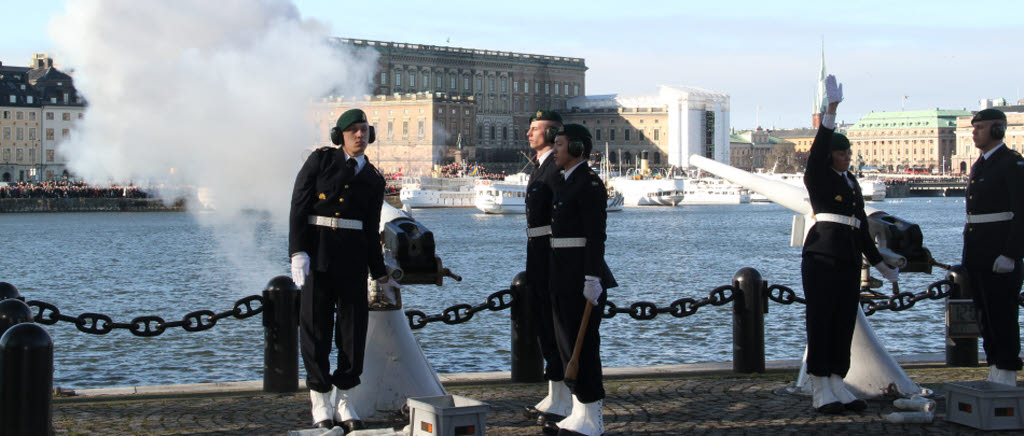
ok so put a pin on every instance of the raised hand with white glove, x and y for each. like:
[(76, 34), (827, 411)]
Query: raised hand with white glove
[(1003, 265), (890, 274), (592, 289), (300, 268), (833, 89)]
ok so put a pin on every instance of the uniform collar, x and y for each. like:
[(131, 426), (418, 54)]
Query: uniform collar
[(541, 158), (360, 161), (570, 170), (989, 154)]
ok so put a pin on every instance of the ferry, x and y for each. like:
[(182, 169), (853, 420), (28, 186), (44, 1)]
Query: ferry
[(427, 192), (650, 190), (509, 196), (712, 190)]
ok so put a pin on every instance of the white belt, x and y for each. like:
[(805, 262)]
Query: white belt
[(568, 242), (534, 232), (989, 217), (335, 223), (837, 218)]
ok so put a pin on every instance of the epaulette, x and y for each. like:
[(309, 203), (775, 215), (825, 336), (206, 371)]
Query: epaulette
[(324, 148)]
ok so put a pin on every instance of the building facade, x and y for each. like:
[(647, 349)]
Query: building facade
[(414, 132), (896, 141), (748, 150), (38, 109), (966, 153), (506, 87), (669, 126)]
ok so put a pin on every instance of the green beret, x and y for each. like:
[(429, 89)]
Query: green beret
[(543, 115), (988, 114), (839, 142), (350, 117)]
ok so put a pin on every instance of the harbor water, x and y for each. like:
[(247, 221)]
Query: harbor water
[(169, 264)]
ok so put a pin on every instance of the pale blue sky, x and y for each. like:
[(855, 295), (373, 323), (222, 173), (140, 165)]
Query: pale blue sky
[(945, 54)]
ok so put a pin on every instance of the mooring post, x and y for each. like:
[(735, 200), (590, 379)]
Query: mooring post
[(961, 315), (26, 372), (8, 290), (748, 309), (527, 363), (280, 332)]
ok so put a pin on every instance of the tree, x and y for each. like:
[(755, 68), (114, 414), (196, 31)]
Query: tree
[(784, 158)]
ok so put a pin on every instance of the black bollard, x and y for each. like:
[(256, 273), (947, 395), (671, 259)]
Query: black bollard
[(13, 312), (527, 363), (280, 333), (748, 309), (26, 380), (961, 321), (8, 290)]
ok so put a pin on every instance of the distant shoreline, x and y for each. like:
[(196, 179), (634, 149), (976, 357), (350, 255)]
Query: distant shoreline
[(44, 205)]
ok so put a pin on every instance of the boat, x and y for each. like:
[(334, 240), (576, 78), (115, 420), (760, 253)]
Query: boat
[(509, 196), (427, 192), (655, 189), (712, 190)]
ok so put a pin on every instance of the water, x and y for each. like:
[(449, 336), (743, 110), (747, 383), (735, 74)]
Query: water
[(168, 264)]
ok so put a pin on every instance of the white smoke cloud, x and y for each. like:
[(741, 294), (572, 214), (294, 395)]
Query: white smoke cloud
[(218, 91)]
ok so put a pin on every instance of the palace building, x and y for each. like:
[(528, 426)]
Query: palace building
[(907, 139)]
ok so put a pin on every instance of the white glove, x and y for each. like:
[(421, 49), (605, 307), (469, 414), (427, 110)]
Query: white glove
[(592, 289), (389, 288), (1002, 265), (890, 274), (300, 268), (833, 91)]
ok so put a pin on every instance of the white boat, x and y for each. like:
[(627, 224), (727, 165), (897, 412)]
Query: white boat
[(424, 192), (655, 190), (712, 190), (509, 196), (871, 188)]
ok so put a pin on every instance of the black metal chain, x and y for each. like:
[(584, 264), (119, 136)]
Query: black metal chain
[(460, 313), (149, 325), (686, 306), (901, 301)]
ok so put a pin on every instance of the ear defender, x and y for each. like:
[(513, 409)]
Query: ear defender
[(372, 136), (998, 131), (549, 134), (336, 137), (575, 148)]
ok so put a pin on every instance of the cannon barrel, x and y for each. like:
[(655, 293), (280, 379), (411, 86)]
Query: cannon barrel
[(409, 249), (899, 241)]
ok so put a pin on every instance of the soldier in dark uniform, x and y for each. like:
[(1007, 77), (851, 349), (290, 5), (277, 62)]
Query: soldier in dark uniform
[(579, 275), (334, 241), (832, 259), (541, 136), (994, 243)]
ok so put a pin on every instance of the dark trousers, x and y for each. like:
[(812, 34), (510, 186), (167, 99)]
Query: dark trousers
[(333, 304), (995, 298), (833, 293), (568, 314), (542, 318)]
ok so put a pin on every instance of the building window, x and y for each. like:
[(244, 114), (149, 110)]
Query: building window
[(7, 115), (405, 129), (426, 80), (597, 134), (625, 134), (479, 84), (398, 80), (14, 99), (575, 90), (31, 155), (19, 115), (80, 115), (453, 82), (556, 89), (49, 155), (31, 115), (547, 88), (412, 80), (611, 134), (492, 132), (20, 133), (390, 132), (480, 132), (49, 116), (383, 78), (515, 86), (536, 87), (656, 131), (504, 133), (526, 86), (64, 133), (504, 84), (420, 129), (19, 154), (639, 134), (31, 133), (7, 134), (49, 134), (7, 154), (66, 116), (491, 81), (438, 82)]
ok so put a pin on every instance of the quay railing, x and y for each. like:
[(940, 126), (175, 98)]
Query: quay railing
[(26, 349)]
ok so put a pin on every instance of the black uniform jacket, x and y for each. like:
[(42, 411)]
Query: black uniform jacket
[(829, 192), (996, 185), (325, 186), (538, 213), (579, 210)]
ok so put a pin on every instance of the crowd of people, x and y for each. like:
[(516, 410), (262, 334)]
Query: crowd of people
[(455, 169), (68, 189)]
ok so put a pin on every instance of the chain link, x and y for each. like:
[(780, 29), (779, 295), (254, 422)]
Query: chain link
[(149, 325), (461, 313)]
